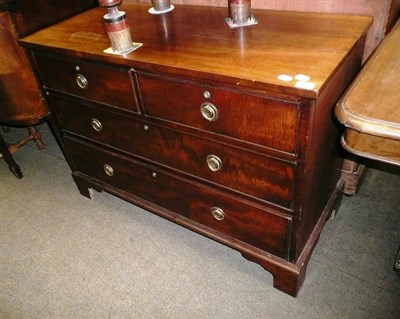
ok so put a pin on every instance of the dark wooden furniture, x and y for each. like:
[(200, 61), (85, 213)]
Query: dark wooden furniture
[(5, 154), (229, 133), (21, 104), (32, 15), (370, 109), (384, 13)]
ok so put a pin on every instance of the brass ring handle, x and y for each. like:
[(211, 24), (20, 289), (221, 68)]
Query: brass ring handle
[(214, 163), (108, 170), (209, 111), (96, 124), (81, 81), (217, 213)]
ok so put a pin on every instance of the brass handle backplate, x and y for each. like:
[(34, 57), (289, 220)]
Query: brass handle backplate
[(96, 125), (81, 81), (214, 163), (108, 170), (217, 213), (209, 111)]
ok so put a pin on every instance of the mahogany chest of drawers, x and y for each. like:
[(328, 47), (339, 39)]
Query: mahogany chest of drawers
[(228, 132)]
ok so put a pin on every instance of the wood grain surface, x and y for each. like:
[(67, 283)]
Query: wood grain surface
[(283, 43), (372, 103), (384, 12)]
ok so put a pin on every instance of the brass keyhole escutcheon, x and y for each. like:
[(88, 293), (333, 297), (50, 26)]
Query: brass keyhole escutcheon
[(108, 170), (214, 163), (96, 125), (81, 81), (209, 111), (217, 213)]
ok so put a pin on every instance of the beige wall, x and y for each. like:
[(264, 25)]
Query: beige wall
[(379, 9)]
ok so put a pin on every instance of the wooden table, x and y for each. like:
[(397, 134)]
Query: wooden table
[(370, 109)]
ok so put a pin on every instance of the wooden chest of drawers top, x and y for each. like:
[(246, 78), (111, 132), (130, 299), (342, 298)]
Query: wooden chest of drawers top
[(196, 42)]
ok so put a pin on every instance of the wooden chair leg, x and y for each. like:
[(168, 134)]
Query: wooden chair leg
[(5, 153), (37, 137), (34, 135)]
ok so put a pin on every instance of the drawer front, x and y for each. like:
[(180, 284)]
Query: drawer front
[(259, 120), (256, 175), (104, 84), (258, 227)]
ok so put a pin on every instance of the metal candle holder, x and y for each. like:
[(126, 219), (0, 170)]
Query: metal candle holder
[(240, 14), (161, 6)]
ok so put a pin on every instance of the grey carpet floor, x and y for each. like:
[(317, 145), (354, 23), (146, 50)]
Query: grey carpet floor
[(63, 256)]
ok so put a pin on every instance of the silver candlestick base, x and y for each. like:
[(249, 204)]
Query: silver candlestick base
[(251, 21), (161, 6)]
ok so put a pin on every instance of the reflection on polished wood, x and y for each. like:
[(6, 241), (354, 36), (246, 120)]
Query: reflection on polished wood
[(180, 43), (370, 109)]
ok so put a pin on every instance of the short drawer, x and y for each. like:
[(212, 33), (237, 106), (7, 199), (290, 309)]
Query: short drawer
[(265, 178), (256, 119), (218, 211), (100, 83)]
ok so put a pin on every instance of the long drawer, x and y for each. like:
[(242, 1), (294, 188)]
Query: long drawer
[(104, 84), (260, 120), (267, 179), (216, 210)]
